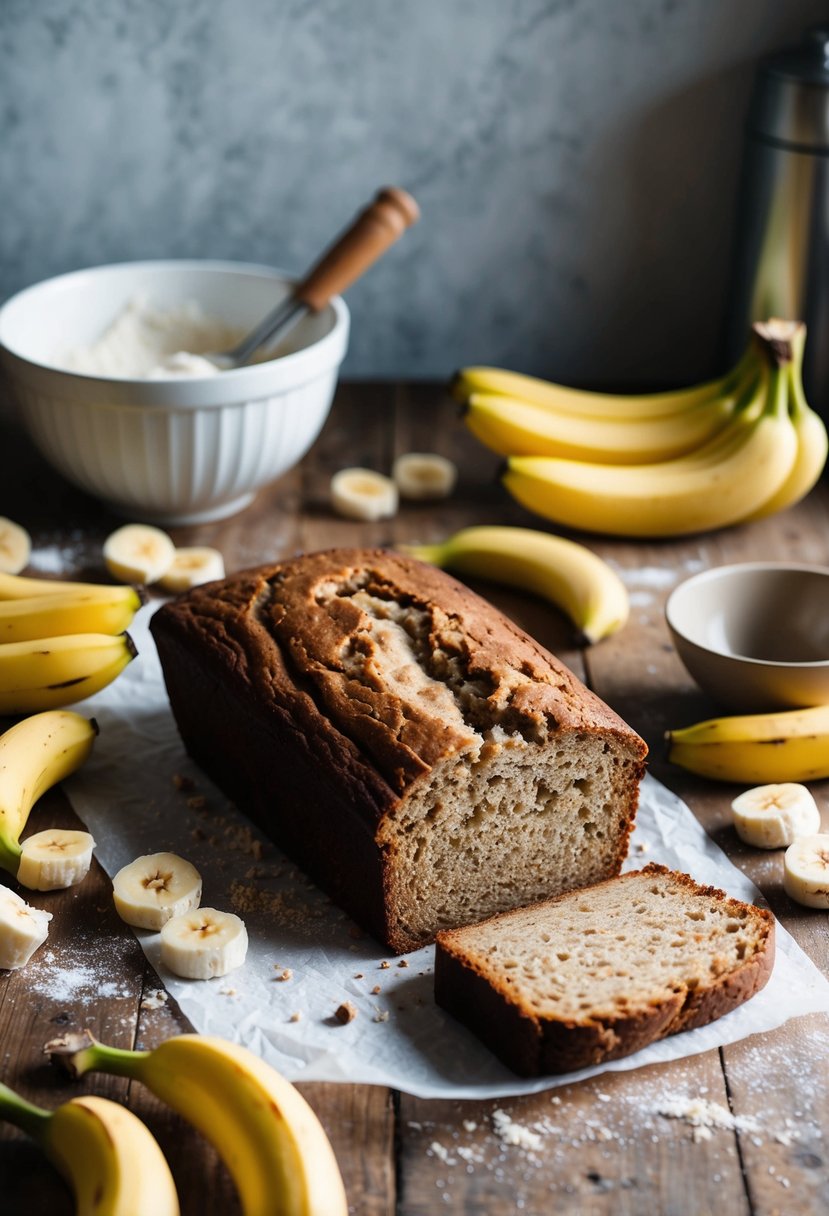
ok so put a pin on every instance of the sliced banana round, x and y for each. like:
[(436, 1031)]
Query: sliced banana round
[(153, 889), (363, 494), (192, 567), (204, 943), (424, 475), (54, 859), (15, 547), (22, 929), (138, 553), (806, 870), (771, 816)]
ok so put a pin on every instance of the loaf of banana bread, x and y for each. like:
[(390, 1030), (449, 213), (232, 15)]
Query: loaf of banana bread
[(416, 753)]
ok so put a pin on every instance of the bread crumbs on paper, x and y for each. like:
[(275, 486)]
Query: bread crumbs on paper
[(197, 803), (285, 974), (296, 1016), (376, 990), (345, 1013), (184, 785), (382, 1015)]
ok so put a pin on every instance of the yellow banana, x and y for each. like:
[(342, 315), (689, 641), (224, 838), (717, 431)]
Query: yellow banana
[(94, 610), (271, 1141), (34, 755), (561, 571), (612, 406), (671, 498), (514, 428), (756, 749), (16, 587), (50, 672), (107, 1155)]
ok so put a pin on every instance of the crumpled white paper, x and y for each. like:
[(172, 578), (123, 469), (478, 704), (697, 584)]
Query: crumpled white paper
[(306, 957)]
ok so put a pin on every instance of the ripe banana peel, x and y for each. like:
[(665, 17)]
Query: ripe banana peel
[(582, 404), (567, 574), (46, 673), (112, 1162), (669, 464), (756, 749), (271, 1141), (36, 754), (97, 610)]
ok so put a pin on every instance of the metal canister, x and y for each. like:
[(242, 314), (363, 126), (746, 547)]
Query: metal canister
[(782, 247)]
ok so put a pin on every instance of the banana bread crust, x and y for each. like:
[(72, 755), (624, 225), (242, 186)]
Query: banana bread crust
[(291, 688)]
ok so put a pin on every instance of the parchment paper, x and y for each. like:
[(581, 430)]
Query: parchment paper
[(306, 957)]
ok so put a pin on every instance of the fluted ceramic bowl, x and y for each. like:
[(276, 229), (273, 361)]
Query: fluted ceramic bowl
[(173, 450)]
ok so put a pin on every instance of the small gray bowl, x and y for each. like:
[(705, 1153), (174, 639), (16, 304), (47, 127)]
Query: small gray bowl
[(755, 636)]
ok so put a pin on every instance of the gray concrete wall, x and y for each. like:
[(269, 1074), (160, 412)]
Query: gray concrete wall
[(575, 160)]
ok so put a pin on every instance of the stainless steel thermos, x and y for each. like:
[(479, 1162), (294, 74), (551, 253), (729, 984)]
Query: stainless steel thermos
[(782, 239)]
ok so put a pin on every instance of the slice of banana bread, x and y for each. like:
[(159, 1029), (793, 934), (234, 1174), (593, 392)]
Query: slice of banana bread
[(599, 973), (422, 758)]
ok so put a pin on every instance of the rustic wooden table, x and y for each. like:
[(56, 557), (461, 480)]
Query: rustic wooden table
[(611, 1152)]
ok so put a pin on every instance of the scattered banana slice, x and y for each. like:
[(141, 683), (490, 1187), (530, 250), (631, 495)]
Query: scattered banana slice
[(22, 929), (424, 475), (806, 870), (203, 943), (15, 547), (191, 568), (138, 553), (363, 494), (771, 816), (153, 889), (54, 859)]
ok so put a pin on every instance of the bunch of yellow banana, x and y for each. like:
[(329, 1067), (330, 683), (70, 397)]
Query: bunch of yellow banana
[(663, 464), (756, 749), (271, 1141), (108, 1156), (567, 574), (34, 755), (60, 642)]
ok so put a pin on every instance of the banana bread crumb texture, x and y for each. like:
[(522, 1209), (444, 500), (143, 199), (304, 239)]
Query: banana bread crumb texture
[(599, 973)]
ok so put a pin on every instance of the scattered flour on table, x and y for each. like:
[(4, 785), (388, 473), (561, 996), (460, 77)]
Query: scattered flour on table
[(704, 1116), (515, 1134)]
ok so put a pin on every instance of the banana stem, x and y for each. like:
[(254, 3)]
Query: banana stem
[(80, 1054), (25, 1115)]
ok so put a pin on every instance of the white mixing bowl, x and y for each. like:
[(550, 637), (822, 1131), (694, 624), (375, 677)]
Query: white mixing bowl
[(170, 451)]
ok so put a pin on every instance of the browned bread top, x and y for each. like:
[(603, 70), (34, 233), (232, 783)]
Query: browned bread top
[(599, 973), (380, 663)]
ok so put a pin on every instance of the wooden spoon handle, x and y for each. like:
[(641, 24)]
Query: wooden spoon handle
[(373, 232)]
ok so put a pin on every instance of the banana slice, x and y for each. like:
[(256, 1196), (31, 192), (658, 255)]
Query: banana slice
[(15, 547), (771, 816), (153, 889), (138, 553), (424, 475), (204, 943), (806, 870), (363, 494), (22, 929), (54, 859), (191, 568)]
